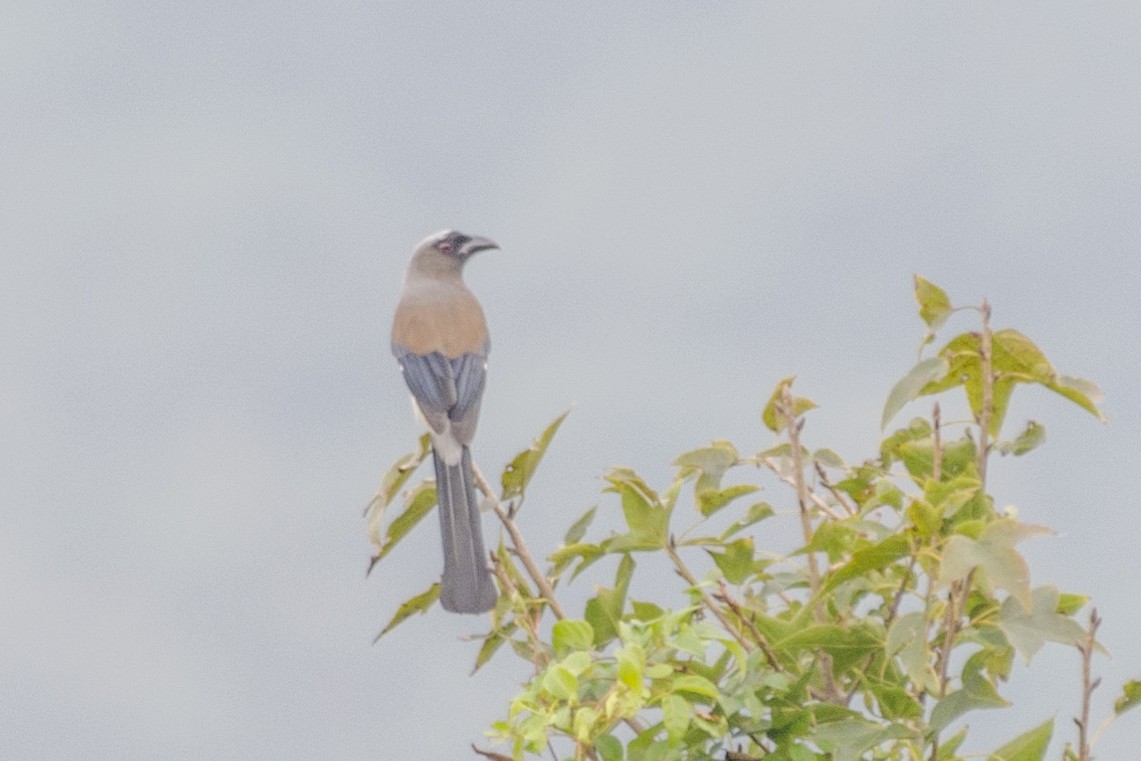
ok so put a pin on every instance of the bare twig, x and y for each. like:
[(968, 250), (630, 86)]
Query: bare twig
[(775, 467), (841, 498), (986, 413), (937, 454), (763, 643), (1089, 684), (519, 545), (706, 600), (787, 410)]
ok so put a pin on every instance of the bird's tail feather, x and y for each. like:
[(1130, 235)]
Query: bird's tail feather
[(467, 586)]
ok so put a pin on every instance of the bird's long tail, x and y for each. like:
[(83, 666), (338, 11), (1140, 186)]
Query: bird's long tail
[(467, 586)]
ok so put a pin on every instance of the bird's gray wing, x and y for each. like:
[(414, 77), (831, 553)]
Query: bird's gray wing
[(471, 375), (446, 389), (432, 381)]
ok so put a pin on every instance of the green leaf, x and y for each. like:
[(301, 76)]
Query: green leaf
[(696, 685), (977, 693), (417, 503), (1029, 746), (994, 552), (874, 558), (907, 638), (773, 419), (390, 485), (1130, 697), (708, 464), (572, 634), (609, 747), (1032, 436), (846, 645), (604, 610), (492, 642), (518, 473), (934, 306), (755, 514), (675, 717), (646, 517), (710, 501), (418, 604), (564, 556), (829, 459), (1069, 603), (560, 683), (1029, 630), (736, 562), (849, 738), (578, 529), (1082, 392), (910, 386)]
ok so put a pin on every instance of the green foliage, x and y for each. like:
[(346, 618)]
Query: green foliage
[(898, 615)]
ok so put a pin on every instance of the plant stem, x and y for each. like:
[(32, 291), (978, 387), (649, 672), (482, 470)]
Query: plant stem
[(1088, 685), (520, 546), (986, 413)]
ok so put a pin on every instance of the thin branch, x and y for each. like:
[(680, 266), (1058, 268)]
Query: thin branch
[(786, 409), (824, 507), (763, 643), (1089, 684), (987, 411), (519, 545), (841, 498), (937, 456), (706, 600)]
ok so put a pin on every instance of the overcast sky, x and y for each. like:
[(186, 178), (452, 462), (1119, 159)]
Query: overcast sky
[(205, 213)]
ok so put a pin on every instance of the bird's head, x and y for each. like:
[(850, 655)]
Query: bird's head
[(445, 252)]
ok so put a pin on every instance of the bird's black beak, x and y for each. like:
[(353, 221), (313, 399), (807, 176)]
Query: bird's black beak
[(476, 244)]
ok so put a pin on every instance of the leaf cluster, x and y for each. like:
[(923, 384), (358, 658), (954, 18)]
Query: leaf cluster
[(898, 613)]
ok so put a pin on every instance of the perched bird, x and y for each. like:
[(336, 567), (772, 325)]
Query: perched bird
[(439, 336)]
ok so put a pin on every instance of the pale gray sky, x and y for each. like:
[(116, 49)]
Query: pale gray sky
[(205, 214)]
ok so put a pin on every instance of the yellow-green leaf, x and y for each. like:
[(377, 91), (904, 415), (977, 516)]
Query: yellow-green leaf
[(1029, 746), (773, 417), (418, 604), (934, 306), (518, 473)]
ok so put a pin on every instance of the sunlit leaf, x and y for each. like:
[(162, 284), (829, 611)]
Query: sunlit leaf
[(571, 634), (417, 503), (736, 561), (646, 518), (708, 464), (772, 417), (1084, 393), (829, 459), (909, 387), (604, 610), (418, 604), (849, 738), (1029, 746), (977, 693), (390, 486), (755, 514), (609, 747), (1130, 697), (578, 528), (934, 306), (994, 552), (873, 558), (1029, 630), (518, 473)]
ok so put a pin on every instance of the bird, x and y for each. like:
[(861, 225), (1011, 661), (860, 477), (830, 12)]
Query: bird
[(440, 340)]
